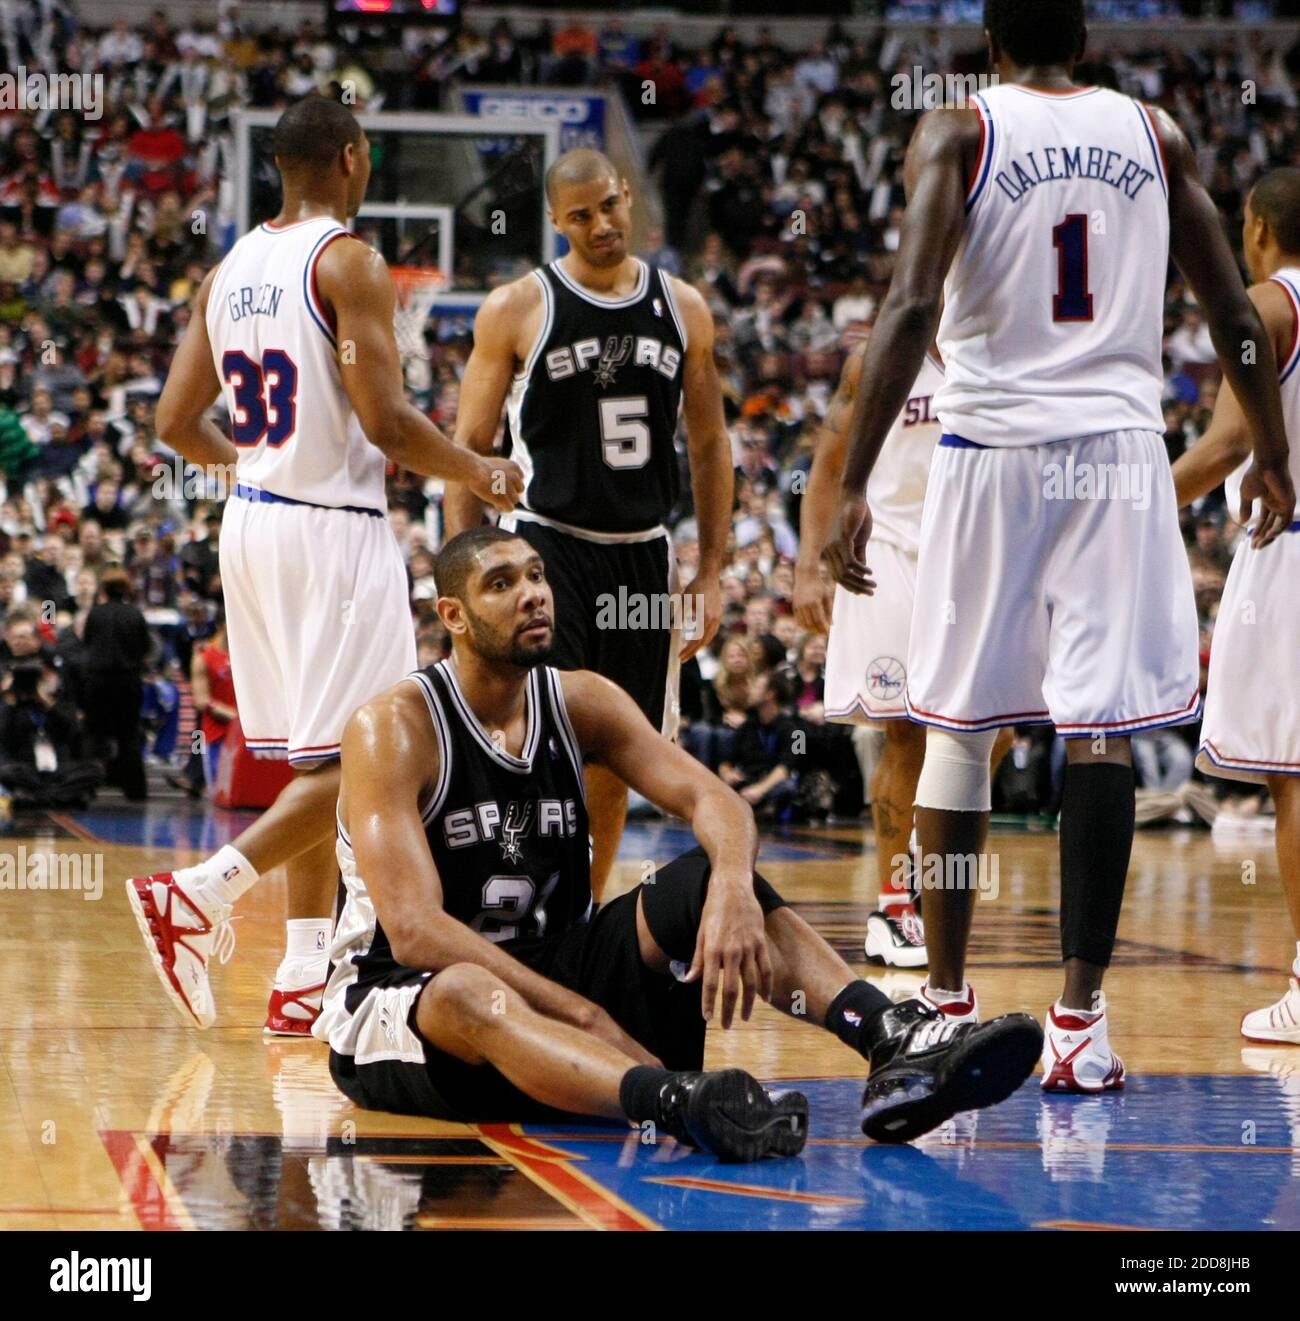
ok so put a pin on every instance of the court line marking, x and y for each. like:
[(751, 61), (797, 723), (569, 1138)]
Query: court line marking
[(65, 822), (574, 1189), (755, 1190)]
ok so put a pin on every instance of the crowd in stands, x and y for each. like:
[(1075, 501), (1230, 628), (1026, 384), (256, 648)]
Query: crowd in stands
[(780, 173)]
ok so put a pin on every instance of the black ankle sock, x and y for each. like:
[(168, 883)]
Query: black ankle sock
[(853, 1013), (638, 1093)]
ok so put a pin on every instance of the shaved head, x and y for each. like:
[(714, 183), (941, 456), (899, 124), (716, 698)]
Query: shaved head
[(581, 165)]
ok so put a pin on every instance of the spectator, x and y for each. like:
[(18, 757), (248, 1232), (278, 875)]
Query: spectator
[(39, 743), (117, 647), (762, 761)]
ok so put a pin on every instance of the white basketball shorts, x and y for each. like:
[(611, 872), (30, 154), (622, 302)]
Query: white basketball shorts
[(318, 620), (1252, 704), (1053, 586), (866, 653)]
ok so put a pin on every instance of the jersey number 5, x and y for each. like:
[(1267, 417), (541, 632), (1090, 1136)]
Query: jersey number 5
[(258, 414), (624, 435), (1072, 300)]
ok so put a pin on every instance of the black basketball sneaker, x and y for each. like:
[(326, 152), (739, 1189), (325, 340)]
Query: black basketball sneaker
[(926, 1068), (730, 1115)]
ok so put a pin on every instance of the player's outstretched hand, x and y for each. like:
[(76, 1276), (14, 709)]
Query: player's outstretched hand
[(731, 948), (1273, 488), (846, 551), (812, 599), (703, 614), (499, 482)]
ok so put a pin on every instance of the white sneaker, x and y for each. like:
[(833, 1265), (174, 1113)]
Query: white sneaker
[(296, 996), (1279, 1022), (182, 932), (896, 937), (965, 1010), (1077, 1056)]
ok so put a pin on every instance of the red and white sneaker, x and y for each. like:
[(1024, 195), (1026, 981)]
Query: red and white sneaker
[(295, 999), (896, 937), (965, 1010), (1077, 1056), (1278, 1023), (181, 934)]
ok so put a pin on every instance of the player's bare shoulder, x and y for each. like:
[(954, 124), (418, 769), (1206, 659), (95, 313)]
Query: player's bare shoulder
[(349, 267), (697, 317), (392, 737), (947, 133), (511, 315), (595, 706)]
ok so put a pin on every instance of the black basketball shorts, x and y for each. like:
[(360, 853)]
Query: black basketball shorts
[(595, 585), (600, 960)]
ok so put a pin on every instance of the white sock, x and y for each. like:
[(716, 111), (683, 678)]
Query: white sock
[(937, 995), (894, 899), (225, 876), (307, 938), (1089, 1014), (1295, 967)]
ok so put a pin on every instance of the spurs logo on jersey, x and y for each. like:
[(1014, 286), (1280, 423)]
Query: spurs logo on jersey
[(1053, 306), (603, 363), (593, 414), (474, 825), (273, 345)]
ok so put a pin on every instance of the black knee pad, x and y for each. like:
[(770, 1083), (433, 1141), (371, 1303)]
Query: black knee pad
[(673, 902)]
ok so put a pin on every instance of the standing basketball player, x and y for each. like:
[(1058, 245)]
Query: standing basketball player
[(866, 652), (296, 327), (1251, 729), (472, 980), (1052, 583), (595, 355)]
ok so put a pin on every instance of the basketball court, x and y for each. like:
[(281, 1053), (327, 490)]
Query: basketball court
[(117, 1116)]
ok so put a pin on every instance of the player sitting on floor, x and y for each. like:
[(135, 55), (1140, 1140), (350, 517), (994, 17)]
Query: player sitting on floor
[(472, 979)]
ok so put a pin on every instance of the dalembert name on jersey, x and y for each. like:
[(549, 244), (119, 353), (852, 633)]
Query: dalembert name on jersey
[(593, 414)]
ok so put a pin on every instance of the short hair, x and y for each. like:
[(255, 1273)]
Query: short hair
[(1037, 31), (581, 165), (312, 132), (116, 583), (1276, 197), (455, 561)]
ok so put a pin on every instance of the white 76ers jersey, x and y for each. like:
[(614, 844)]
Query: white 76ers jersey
[(1289, 381), (896, 490), (1053, 310), (274, 349)]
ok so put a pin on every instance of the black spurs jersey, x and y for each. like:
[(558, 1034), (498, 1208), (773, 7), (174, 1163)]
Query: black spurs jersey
[(593, 413), (508, 834)]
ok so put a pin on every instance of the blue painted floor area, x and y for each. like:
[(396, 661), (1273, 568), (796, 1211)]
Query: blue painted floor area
[(1195, 1152)]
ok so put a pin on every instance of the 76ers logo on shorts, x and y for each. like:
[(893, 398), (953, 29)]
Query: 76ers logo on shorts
[(885, 677)]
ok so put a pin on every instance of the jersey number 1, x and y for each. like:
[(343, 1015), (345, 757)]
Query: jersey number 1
[(1072, 300), (257, 415)]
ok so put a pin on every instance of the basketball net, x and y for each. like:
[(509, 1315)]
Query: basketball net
[(416, 288)]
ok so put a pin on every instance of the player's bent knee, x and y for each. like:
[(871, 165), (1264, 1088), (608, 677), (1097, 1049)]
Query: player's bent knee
[(955, 777), (467, 996)]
